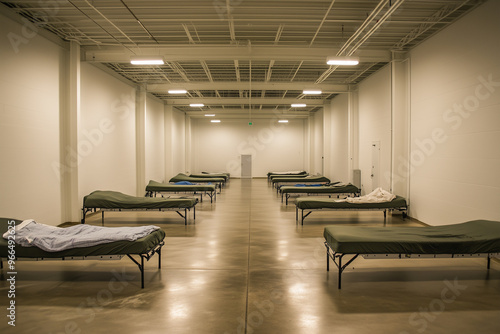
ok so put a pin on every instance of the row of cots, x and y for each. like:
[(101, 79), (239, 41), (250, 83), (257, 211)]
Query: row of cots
[(472, 239), (195, 184), (346, 196)]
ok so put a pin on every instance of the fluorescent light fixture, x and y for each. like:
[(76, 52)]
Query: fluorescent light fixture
[(196, 105), (177, 91), (342, 61), (209, 115), (311, 92), (283, 121), (215, 121), (147, 60), (299, 105)]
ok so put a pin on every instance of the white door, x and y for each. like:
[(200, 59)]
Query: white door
[(375, 164), (246, 166)]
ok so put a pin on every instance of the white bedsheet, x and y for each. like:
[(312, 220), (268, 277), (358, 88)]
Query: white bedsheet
[(53, 239)]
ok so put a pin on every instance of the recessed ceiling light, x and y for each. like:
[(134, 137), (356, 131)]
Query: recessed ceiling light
[(342, 61), (209, 115), (299, 105), (311, 92), (283, 121), (147, 60), (177, 91), (215, 121), (196, 105)]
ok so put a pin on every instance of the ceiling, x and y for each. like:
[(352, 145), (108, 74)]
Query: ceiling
[(242, 57)]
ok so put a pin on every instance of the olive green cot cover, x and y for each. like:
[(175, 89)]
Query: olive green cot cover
[(225, 173), (279, 177), (183, 177), (158, 186), (210, 176), (308, 179), (306, 203), (303, 172), (472, 237), (139, 246), (323, 189), (115, 200)]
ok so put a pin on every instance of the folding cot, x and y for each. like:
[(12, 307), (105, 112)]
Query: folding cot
[(211, 176), (286, 173), (154, 188), (336, 189), (218, 181), (280, 181), (144, 247), (116, 201), (315, 204), (478, 238)]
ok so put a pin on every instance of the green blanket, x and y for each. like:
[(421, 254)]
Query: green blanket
[(157, 186), (478, 236), (286, 176), (116, 200), (327, 203), (327, 189), (286, 173), (307, 179), (140, 246), (210, 176), (183, 177)]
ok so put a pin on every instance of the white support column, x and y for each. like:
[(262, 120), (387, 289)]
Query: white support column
[(326, 168), (70, 115), (188, 164), (140, 140), (169, 155), (400, 83), (311, 166), (307, 144), (353, 135)]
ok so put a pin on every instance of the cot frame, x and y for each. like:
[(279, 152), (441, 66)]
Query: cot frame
[(402, 209), (211, 194), (337, 258), (270, 177), (185, 215), (278, 184), (143, 256), (289, 194)]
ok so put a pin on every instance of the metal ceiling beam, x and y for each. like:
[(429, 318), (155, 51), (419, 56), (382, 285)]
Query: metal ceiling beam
[(244, 101), (221, 111), (104, 54), (245, 116), (242, 85)]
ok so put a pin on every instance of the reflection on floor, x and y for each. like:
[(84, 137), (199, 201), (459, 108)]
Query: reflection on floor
[(245, 266)]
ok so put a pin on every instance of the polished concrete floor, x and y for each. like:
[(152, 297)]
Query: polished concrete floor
[(245, 266)]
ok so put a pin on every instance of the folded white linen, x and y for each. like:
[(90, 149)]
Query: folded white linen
[(379, 195)]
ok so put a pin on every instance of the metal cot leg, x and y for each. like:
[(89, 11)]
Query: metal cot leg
[(159, 257), (142, 272)]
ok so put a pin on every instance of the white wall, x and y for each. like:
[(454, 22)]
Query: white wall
[(106, 133), (30, 100), (455, 121), (337, 156), (273, 146), (375, 126), (155, 145)]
